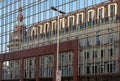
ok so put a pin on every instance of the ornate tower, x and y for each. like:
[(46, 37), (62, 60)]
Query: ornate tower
[(19, 33)]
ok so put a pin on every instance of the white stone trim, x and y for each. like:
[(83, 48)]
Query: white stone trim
[(73, 19), (44, 31), (110, 10), (103, 12), (93, 13), (78, 17), (52, 25)]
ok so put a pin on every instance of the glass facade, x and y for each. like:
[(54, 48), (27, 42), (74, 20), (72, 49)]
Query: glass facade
[(46, 66), (31, 25), (29, 67), (101, 56), (66, 64), (33, 11), (11, 69)]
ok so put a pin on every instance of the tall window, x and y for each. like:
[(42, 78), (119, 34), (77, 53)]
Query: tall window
[(71, 22), (90, 16), (66, 63), (87, 41), (86, 55), (110, 52), (62, 25), (112, 10), (110, 36), (95, 54), (100, 13), (54, 27), (29, 67), (46, 28), (47, 66), (79, 18), (40, 29), (102, 53), (11, 69), (97, 39)]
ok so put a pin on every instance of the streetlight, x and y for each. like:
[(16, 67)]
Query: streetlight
[(62, 12)]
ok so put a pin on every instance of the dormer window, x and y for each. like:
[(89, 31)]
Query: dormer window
[(100, 13), (90, 15), (80, 18), (112, 9)]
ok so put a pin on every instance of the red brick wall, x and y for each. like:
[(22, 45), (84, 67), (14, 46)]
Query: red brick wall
[(44, 50)]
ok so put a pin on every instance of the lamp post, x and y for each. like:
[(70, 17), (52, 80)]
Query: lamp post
[(61, 12)]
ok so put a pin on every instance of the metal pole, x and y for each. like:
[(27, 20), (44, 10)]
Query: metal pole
[(62, 12), (58, 42)]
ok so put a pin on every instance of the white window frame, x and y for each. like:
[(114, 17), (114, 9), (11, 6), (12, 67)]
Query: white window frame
[(110, 10), (35, 29), (44, 31), (55, 25), (63, 23), (40, 29), (103, 12), (73, 19), (93, 13), (78, 17)]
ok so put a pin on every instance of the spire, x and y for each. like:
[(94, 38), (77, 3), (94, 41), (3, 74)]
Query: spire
[(20, 17)]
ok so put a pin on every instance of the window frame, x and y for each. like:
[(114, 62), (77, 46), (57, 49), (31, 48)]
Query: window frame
[(78, 19), (92, 14), (98, 12), (109, 10), (69, 20)]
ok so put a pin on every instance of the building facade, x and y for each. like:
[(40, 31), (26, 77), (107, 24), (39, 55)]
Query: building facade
[(89, 39)]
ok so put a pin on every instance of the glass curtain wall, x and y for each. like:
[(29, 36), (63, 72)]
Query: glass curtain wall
[(33, 11), (11, 70)]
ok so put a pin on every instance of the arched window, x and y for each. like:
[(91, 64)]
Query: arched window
[(46, 27), (100, 13), (71, 21), (112, 9), (40, 29), (54, 29), (62, 24), (79, 18), (33, 35), (90, 15)]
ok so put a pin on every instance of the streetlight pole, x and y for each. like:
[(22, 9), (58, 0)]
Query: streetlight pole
[(62, 12)]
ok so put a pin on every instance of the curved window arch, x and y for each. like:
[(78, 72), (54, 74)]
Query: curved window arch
[(112, 9), (80, 18), (91, 15), (100, 12)]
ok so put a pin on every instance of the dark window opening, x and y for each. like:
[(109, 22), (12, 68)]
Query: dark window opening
[(87, 41), (90, 16), (100, 13), (94, 69), (88, 69), (33, 35), (86, 55), (80, 18), (102, 68), (102, 53), (111, 52), (112, 10), (30, 62), (97, 39), (29, 74)]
